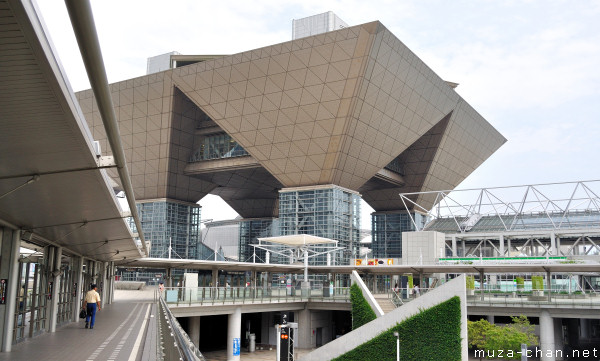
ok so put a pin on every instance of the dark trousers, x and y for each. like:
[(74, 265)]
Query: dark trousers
[(91, 313)]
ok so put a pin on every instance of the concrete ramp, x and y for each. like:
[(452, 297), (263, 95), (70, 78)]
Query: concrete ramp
[(372, 329)]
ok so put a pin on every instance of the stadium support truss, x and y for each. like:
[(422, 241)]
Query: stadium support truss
[(552, 219)]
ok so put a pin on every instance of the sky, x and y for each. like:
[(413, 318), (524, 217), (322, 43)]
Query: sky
[(530, 67)]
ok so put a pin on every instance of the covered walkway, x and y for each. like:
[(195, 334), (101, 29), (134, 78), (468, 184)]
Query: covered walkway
[(123, 331)]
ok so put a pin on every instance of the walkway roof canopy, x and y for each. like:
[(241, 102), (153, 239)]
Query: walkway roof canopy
[(297, 240), (51, 182)]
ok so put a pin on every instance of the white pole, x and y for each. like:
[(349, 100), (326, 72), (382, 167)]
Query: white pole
[(305, 264), (397, 348)]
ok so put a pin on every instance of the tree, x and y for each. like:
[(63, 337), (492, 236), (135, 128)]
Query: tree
[(495, 341)]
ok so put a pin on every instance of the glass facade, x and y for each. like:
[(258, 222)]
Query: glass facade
[(217, 146), (250, 230), (331, 212), (387, 231), (177, 224)]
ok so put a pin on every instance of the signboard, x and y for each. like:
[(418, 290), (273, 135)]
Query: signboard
[(3, 290), (236, 346), (374, 262)]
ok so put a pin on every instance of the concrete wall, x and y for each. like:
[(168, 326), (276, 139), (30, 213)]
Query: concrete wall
[(361, 335), (428, 244)]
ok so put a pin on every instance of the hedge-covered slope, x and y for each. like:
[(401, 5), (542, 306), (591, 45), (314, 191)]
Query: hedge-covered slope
[(432, 334), (361, 310)]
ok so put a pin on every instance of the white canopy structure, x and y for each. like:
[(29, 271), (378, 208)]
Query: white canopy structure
[(301, 247), (297, 240)]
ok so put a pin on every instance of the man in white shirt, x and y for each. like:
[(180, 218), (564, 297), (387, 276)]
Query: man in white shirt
[(91, 300)]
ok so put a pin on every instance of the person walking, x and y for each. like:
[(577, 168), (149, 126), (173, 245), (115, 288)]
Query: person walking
[(91, 303)]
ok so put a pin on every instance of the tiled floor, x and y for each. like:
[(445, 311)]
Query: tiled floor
[(113, 338), (117, 328)]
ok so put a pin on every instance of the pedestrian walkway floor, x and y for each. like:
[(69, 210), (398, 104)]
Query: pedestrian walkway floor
[(117, 335)]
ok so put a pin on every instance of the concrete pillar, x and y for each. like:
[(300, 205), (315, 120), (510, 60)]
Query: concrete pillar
[(501, 240), (169, 277), (481, 280), (553, 250), (559, 342), (234, 331), (454, 246), (112, 282), (102, 278), (304, 329), (464, 248), (547, 337), (584, 326), (9, 269), (78, 279), (215, 277), (509, 247), (194, 334), (56, 272), (491, 319), (549, 285)]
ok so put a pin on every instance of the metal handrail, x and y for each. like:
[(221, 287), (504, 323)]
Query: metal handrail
[(184, 346), (179, 296)]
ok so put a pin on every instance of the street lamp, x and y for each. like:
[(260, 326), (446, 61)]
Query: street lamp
[(397, 345)]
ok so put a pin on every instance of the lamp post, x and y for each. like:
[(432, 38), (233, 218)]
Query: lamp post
[(397, 345)]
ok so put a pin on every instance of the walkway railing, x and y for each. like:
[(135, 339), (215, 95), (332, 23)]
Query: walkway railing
[(173, 342), (558, 297), (181, 296)]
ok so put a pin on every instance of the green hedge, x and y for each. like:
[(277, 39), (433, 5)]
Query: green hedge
[(537, 283), (470, 280), (432, 334), (361, 310)]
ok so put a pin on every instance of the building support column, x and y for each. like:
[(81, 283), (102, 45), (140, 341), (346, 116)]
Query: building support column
[(491, 319), (453, 246), (501, 240), (195, 330), (78, 279), (549, 285), (509, 247), (112, 281), (169, 278), (103, 284), (55, 274), (584, 326), (464, 248), (559, 342), (547, 337), (481, 275), (234, 331), (10, 241), (215, 278), (304, 329), (553, 244)]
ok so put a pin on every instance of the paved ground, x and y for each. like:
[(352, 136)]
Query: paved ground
[(259, 355), (119, 329)]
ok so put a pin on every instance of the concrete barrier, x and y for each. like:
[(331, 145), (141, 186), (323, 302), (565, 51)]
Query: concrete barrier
[(351, 340), (129, 285)]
